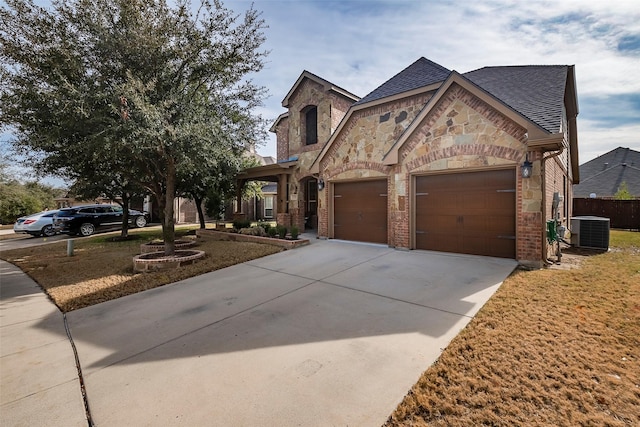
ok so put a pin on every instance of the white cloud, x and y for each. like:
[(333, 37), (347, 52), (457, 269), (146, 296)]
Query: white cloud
[(360, 44), (595, 141)]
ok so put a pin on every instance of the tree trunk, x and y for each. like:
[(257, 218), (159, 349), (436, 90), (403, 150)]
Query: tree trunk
[(124, 233), (168, 226), (198, 201)]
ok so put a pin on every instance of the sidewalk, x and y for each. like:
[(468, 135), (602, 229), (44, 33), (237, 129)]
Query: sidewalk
[(39, 383)]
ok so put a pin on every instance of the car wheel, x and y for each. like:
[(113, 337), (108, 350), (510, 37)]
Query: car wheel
[(48, 231), (140, 221), (87, 229)]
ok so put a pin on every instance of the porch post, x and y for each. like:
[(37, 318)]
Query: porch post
[(240, 183), (283, 217)]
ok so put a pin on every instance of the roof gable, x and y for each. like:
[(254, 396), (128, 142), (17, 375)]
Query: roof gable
[(535, 91), (327, 85), (421, 73), (391, 157)]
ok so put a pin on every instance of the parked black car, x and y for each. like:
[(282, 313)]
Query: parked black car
[(87, 219)]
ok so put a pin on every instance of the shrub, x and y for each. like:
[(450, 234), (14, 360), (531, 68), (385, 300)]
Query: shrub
[(282, 231), (239, 224), (272, 231), (294, 232), (265, 225), (253, 231)]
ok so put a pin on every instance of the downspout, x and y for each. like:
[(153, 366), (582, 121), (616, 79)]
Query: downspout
[(544, 202)]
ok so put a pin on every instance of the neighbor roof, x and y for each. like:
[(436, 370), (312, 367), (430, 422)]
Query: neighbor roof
[(421, 73), (535, 91), (604, 174)]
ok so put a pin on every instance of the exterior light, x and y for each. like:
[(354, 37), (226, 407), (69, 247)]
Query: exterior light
[(527, 168), (320, 184)]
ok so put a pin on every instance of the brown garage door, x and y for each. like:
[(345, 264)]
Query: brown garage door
[(471, 213), (360, 211)]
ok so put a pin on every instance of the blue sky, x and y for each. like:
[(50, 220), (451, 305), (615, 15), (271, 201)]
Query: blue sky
[(359, 44)]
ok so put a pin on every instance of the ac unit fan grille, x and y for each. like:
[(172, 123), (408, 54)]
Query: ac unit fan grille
[(594, 233)]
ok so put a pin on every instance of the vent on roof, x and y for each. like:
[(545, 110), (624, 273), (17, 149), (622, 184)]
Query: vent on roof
[(590, 232)]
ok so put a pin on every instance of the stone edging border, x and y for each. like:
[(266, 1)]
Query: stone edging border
[(236, 237)]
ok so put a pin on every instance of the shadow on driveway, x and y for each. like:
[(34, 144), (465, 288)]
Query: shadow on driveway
[(345, 328)]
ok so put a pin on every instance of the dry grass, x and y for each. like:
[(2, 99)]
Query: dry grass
[(552, 348), (102, 270)]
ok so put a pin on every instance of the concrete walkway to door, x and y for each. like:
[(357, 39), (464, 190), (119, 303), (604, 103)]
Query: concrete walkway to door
[(334, 333)]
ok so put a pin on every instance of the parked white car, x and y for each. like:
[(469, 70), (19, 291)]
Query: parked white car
[(39, 224)]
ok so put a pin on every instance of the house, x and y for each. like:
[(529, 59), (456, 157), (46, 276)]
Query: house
[(602, 176), (432, 159)]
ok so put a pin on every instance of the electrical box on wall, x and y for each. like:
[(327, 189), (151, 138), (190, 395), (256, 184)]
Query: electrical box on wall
[(590, 232)]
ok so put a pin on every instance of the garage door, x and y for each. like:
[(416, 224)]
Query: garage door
[(471, 213), (360, 211)]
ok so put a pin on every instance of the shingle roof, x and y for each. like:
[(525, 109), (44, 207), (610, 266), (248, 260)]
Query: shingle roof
[(421, 73), (270, 188), (604, 174), (535, 91)]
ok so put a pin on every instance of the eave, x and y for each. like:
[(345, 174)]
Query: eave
[(327, 86), (268, 171)]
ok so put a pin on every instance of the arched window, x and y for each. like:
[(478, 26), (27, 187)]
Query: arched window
[(310, 121)]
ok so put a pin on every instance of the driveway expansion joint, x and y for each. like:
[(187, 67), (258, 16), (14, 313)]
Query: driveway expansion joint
[(397, 299)]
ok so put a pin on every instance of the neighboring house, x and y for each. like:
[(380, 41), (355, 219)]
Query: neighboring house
[(431, 159), (602, 176)]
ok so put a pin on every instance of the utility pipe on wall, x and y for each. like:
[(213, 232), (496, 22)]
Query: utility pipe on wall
[(544, 201)]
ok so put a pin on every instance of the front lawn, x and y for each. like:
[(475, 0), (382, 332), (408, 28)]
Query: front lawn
[(102, 269), (551, 348)]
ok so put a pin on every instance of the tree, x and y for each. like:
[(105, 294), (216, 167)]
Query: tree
[(18, 199), (164, 87), (115, 187), (218, 178), (623, 192)]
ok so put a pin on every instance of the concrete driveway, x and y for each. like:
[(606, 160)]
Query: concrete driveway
[(334, 333)]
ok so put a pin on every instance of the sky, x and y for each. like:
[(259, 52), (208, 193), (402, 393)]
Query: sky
[(359, 44)]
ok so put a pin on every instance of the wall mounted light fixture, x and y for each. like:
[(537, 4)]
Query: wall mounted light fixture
[(527, 167), (320, 184)]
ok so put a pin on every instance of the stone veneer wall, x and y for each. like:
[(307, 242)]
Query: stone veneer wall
[(461, 132), (290, 134), (358, 151), (282, 139), (529, 214)]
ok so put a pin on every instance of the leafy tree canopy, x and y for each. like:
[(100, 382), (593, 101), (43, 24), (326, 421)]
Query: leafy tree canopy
[(623, 192), (161, 86)]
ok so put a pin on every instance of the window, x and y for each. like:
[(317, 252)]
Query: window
[(268, 207), (311, 125)]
